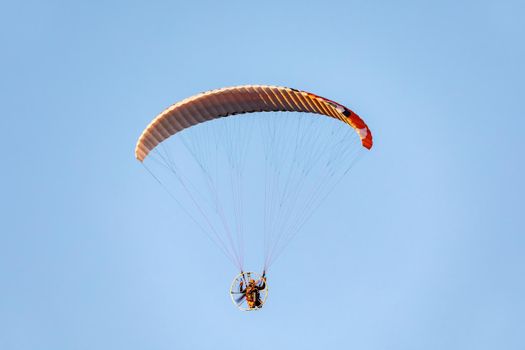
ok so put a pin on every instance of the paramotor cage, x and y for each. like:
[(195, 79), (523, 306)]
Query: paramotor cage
[(239, 295)]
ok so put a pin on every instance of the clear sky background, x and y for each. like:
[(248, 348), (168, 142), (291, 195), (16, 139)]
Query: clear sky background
[(429, 254)]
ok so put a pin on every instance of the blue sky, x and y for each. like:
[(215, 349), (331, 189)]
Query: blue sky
[(428, 256)]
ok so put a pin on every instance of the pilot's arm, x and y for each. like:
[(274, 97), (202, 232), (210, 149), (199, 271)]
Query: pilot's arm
[(241, 285), (262, 283)]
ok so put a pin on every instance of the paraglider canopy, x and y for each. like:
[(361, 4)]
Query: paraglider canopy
[(238, 100)]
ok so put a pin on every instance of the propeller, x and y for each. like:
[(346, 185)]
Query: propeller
[(239, 299)]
